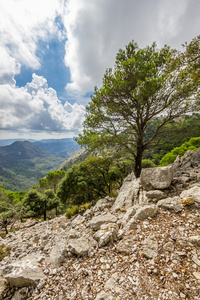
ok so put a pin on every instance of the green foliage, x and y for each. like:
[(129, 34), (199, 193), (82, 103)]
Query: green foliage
[(72, 211), (4, 251), (145, 83), (147, 163), (193, 144), (92, 179), (23, 163)]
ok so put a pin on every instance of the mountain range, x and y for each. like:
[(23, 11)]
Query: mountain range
[(22, 163)]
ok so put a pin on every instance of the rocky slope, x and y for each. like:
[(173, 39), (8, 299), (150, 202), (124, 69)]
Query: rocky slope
[(143, 245)]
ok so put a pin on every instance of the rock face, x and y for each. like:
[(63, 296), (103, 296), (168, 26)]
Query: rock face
[(156, 178), (128, 193), (132, 249)]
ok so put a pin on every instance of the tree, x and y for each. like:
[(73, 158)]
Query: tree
[(37, 204), (53, 178), (90, 180), (144, 84)]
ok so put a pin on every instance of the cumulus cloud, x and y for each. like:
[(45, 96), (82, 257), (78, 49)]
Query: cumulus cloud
[(36, 107), (97, 29), (22, 25)]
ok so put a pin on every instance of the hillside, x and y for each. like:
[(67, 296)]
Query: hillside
[(23, 163), (143, 245), (60, 147)]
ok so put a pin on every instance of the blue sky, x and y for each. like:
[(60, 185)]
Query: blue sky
[(53, 53)]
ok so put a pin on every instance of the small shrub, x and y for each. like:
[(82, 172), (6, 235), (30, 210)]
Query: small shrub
[(147, 163), (85, 206), (4, 251), (72, 211)]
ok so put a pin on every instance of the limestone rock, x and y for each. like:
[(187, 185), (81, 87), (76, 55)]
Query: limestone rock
[(125, 246), (149, 247), (58, 252), (82, 246), (111, 283), (155, 195), (145, 212), (127, 194), (156, 178), (97, 221), (194, 240), (107, 234), (172, 204), (131, 211), (102, 204), (193, 192), (24, 273), (3, 285), (104, 296)]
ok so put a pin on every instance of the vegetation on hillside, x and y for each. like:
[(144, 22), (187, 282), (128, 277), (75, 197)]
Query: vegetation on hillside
[(144, 84)]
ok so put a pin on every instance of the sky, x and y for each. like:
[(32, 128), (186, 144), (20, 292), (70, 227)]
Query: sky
[(54, 52)]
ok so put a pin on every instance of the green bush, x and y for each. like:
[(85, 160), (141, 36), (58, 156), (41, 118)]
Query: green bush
[(72, 211), (147, 163), (4, 251), (169, 158)]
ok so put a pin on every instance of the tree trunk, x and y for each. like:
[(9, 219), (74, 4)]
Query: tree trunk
[(45, 215), (138, 158)]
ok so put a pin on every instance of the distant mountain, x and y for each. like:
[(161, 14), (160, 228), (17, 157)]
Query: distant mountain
[(23, 163), (7, 142), (60, 147)]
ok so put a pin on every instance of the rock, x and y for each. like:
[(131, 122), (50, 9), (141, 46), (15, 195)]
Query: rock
[(24, 273), (102, 204), (155, 195), (187, 201), (196, 275), (132, 224), (125, 246), (145, 212), (3, 285), (58, 252), (194, 240), (97, 221), (107, 234), (77, 221), (156, 178), (131, 211), (193, 192), (127, 194), (169, 246), (149, 247), (172, 204), (104, 296), (111, 283), (82, 246)]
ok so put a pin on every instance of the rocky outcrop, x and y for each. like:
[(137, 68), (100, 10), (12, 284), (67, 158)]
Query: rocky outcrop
[(145, 245)]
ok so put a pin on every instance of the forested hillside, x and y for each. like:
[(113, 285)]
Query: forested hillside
[(23, 163)]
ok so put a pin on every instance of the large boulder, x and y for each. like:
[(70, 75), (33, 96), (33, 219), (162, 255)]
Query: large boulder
[(58, 252), (82, 246), (149, 247), (173, 204), (97, 221), (23, 273), (156, 178), (127, 194), (193, 192)]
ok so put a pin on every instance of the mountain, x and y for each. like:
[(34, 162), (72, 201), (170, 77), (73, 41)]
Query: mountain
[(23, 163), (60, 147), (7, 142)]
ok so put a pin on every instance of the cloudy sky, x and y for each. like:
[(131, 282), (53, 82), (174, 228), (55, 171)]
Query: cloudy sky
[(53, 53)]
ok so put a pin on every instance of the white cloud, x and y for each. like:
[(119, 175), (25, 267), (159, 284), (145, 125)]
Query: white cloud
[(36, 107), (97, 29), (22, 24)]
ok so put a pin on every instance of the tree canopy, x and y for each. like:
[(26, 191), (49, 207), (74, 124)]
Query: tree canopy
[(144, 84)]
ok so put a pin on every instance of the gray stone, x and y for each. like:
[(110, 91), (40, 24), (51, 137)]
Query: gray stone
[(194, 240), (24, 273), (193, 192), (97, 221), (173, 204), (155, 195), (106, 235), (111, 283), (156, 178), (3, 285), (131, 211), (102, 204), (145, 212), (169, 246), (82, 246), (104, 296), (58, 252), (125, 246), (127, 194), (149, 247)]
